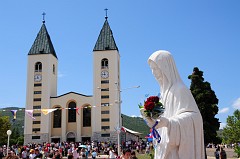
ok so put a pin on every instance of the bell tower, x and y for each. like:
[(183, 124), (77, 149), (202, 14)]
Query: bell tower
[(41, 85), (106, 86)]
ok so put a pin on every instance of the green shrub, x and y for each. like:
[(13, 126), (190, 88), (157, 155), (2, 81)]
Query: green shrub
[(237, 150)]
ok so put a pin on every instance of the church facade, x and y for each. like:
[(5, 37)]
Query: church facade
[(73, 116)]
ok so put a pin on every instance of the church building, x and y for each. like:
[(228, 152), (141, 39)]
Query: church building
[(73, 116)]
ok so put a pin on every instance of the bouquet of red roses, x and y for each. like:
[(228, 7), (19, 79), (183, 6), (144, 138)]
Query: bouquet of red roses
[(152, 107)]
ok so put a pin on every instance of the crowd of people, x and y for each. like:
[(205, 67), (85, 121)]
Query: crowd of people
[(74, 150)]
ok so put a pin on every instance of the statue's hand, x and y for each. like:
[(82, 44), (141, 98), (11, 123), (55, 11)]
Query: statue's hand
[(150, 122), (163, 122)]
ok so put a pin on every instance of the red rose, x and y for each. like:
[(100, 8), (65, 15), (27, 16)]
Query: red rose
[(149, 105), (154, 99)]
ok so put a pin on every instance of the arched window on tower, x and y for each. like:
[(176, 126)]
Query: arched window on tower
[(86, 117), (38, 67), (57, 118), (72, 112), (104, 63), (53, 69)]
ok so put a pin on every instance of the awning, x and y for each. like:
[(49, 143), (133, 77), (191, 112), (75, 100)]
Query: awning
[(131, 131)]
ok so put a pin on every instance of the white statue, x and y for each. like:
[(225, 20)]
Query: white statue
[(180, 126)]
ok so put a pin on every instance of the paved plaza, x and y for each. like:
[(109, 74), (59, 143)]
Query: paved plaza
[(230, 153), (210, 154)]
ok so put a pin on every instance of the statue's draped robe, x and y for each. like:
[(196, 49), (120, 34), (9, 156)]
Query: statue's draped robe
[(183, 137)]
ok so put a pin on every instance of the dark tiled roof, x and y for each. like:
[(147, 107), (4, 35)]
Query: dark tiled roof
[(105, 39), (72, 93), (42, 43)]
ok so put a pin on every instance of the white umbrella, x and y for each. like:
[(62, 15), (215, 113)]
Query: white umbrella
[(83, 146)]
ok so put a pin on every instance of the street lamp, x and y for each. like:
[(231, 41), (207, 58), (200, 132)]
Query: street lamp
[(118, 129), (9, 132), (118, 101)]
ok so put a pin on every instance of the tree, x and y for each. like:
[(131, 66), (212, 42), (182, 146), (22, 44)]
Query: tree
[(4, 126), (207, 103), (15, 135), (231, 132)]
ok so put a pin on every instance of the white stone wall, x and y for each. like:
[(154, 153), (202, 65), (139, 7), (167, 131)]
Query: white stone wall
[(43, 138)]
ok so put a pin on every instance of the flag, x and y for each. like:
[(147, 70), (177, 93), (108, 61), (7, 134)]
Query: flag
[(149, 136), (30, 113), (47, 111), (14, 113), (123, 129), (77, 111)]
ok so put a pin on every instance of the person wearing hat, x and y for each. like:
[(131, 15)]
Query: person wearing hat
[(32, 154)]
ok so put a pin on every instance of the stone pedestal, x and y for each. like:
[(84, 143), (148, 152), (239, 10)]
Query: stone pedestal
[(97, 136), (28, 138)]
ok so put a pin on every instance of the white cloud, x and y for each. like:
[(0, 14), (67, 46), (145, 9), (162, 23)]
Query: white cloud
[(223, 110), (222, 125), (60, 74), (236, 104), (133, 116)]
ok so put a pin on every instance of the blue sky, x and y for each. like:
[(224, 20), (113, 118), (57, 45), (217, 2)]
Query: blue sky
[(203, 34)]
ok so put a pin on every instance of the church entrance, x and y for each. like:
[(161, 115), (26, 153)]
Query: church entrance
[(86, 139), (71, 137), (70, 140), (55, 140)]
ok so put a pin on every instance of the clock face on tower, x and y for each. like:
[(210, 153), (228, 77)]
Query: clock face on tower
[(37, 78), (105, 74)]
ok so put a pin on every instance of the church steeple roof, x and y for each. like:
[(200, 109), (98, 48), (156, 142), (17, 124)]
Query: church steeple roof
[(105, 39), (42, 43)]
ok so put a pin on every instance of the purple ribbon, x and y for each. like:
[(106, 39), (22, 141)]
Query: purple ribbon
[(155, 133)]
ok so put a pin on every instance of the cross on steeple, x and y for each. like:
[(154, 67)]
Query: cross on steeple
[(106, 13), (43, 14)]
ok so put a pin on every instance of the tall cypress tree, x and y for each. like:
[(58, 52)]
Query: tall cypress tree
[(207, 103)]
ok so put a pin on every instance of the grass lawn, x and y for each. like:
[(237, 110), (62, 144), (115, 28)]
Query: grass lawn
[(145, 156)]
